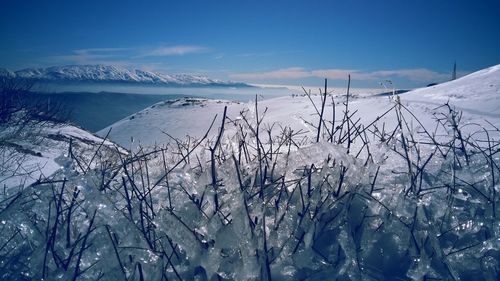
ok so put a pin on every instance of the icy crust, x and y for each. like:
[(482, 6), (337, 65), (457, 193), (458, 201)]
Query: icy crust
[(280, 208)]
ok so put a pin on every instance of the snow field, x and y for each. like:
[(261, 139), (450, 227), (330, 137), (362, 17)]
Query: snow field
[(395, 188)]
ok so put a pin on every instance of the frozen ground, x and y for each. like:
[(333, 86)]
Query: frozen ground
[(391, 188)]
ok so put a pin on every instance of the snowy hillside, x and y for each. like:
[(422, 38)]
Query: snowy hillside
[(173, 118), (291, 188), (113, 74), (477, 95), (41, 156)]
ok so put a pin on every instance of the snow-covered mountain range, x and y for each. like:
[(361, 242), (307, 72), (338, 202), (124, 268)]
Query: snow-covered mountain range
[(113, 74)]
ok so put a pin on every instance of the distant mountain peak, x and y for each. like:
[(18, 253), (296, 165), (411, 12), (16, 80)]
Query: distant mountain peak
[(6, 73), (113, 74)]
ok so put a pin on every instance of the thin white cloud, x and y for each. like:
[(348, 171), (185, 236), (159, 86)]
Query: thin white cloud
[(334, 74), (91, 56), (417, 75), (122, 56), (246, 55), (98, 50), (284, 73), (218, 57), (173, 51)]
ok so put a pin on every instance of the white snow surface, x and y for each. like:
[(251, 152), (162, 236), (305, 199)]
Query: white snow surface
[(45, 159), (477, 95), (291, 209)]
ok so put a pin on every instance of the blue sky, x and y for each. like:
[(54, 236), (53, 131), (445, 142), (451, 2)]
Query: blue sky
[(293, 42)]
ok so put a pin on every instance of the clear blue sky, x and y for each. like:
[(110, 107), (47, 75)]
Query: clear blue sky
[(269, 42)]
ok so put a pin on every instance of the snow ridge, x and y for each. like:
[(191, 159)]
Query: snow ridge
[(113, 74)]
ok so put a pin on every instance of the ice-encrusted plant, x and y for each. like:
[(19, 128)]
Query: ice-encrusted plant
[(261, 201)]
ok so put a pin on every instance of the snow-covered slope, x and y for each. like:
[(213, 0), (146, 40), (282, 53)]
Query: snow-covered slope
[(26, 160), (384, 202), (477, 95), (173, 118), (112, 74)]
